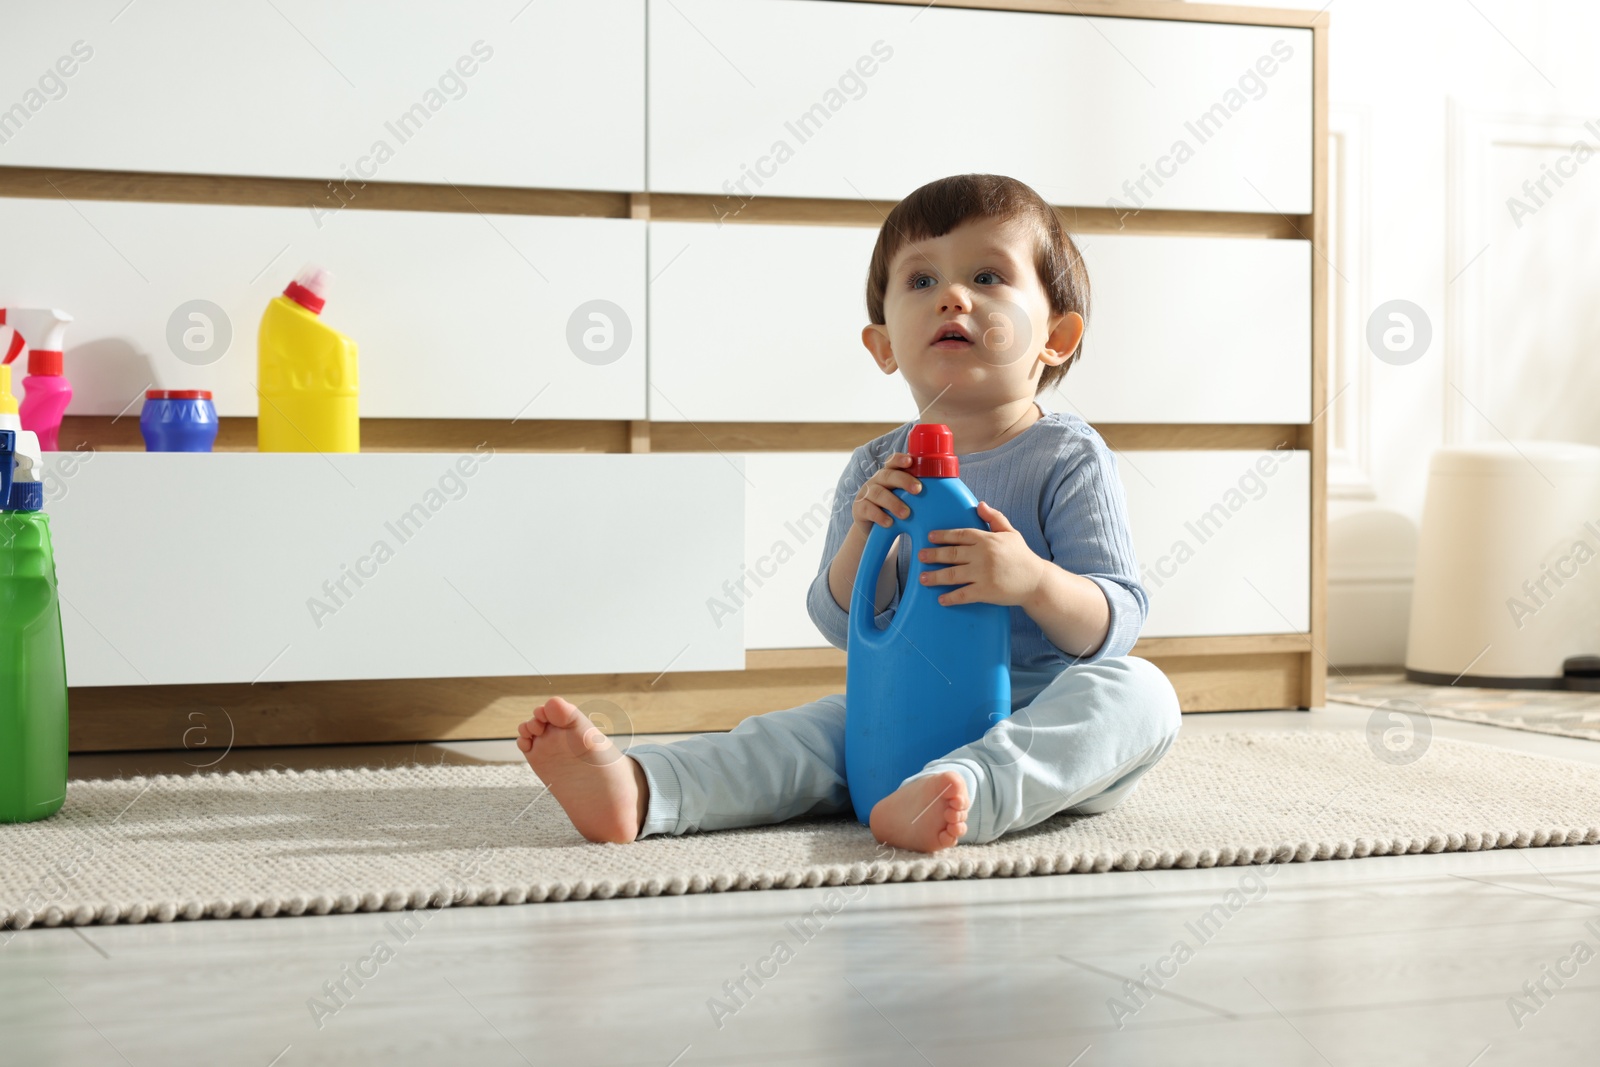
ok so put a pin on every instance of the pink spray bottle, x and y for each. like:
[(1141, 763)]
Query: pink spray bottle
[(46, 390)]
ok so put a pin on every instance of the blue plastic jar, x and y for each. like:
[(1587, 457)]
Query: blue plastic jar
[(939, 675), (178, 420)]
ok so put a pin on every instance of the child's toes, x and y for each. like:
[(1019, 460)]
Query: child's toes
[(559, 712)]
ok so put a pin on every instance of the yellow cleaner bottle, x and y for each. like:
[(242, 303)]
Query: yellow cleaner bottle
[(306, 378)]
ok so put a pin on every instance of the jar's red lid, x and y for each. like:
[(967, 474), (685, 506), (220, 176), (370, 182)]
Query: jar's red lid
[(177, 394), (931, 446)]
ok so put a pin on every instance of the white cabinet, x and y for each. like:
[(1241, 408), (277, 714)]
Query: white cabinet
[(810, 99), (237, 567), (472, 92), (755, 323), (1222, 540), (1193, 330), (243, 567), (456, 315)]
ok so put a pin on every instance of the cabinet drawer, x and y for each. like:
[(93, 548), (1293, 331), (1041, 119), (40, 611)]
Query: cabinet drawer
[(473, 92), (788, 504), (456, 315), (1223, 540), (239, 567), (808, 99), (1193, 330), (755, 323), (1181, 330)]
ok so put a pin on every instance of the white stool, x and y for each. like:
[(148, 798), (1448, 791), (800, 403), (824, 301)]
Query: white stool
[(1507, 587)]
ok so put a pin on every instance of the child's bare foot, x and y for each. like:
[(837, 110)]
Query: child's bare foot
[(925, 814), (602, 790)]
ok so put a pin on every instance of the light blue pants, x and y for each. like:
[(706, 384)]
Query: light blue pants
[(1077, 741)]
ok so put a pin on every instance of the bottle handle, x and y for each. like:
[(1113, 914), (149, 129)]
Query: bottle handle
[(864, 594), (12, 343)]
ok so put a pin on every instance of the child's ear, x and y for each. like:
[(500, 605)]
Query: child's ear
[(876, 337), (1066, 332)]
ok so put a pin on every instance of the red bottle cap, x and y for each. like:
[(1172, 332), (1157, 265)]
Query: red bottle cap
[(177, 394), (305, 298), (44, 361), (933, 451), (310, 288)]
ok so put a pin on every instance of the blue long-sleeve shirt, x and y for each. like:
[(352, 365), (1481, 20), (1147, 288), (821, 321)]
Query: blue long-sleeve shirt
[(1057, 483)]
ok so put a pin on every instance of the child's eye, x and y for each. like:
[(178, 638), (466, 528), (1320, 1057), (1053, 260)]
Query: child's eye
[(916, 279)]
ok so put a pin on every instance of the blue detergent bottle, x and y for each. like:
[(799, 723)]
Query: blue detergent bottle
[(939, 675)]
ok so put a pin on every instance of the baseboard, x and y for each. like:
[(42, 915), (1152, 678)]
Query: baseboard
[(1368, 620), (1245, 673)]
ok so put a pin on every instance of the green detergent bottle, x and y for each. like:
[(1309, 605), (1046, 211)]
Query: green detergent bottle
[(33, 664)]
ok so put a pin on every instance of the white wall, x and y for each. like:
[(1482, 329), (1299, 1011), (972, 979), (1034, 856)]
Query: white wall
[(1439, 112)]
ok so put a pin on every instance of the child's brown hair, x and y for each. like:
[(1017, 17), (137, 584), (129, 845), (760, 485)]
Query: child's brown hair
[(940, 206)]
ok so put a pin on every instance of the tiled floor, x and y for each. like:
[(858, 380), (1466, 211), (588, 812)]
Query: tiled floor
[(1389, 960)]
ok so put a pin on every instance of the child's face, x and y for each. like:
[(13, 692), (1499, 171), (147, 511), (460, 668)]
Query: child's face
[(981, 277)]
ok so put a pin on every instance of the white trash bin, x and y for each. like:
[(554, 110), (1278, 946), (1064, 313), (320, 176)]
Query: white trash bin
[(1507, 589)]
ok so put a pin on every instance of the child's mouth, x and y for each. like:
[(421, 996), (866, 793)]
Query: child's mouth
[(952, 335)]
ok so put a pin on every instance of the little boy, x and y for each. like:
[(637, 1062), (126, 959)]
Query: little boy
[(977, 296)]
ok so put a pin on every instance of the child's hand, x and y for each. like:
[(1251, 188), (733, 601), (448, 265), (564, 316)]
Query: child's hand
[(992, 567), (875, 499)]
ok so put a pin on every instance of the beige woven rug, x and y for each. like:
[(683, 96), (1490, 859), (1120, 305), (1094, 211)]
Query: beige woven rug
[(1565, 712), (269, 843)]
